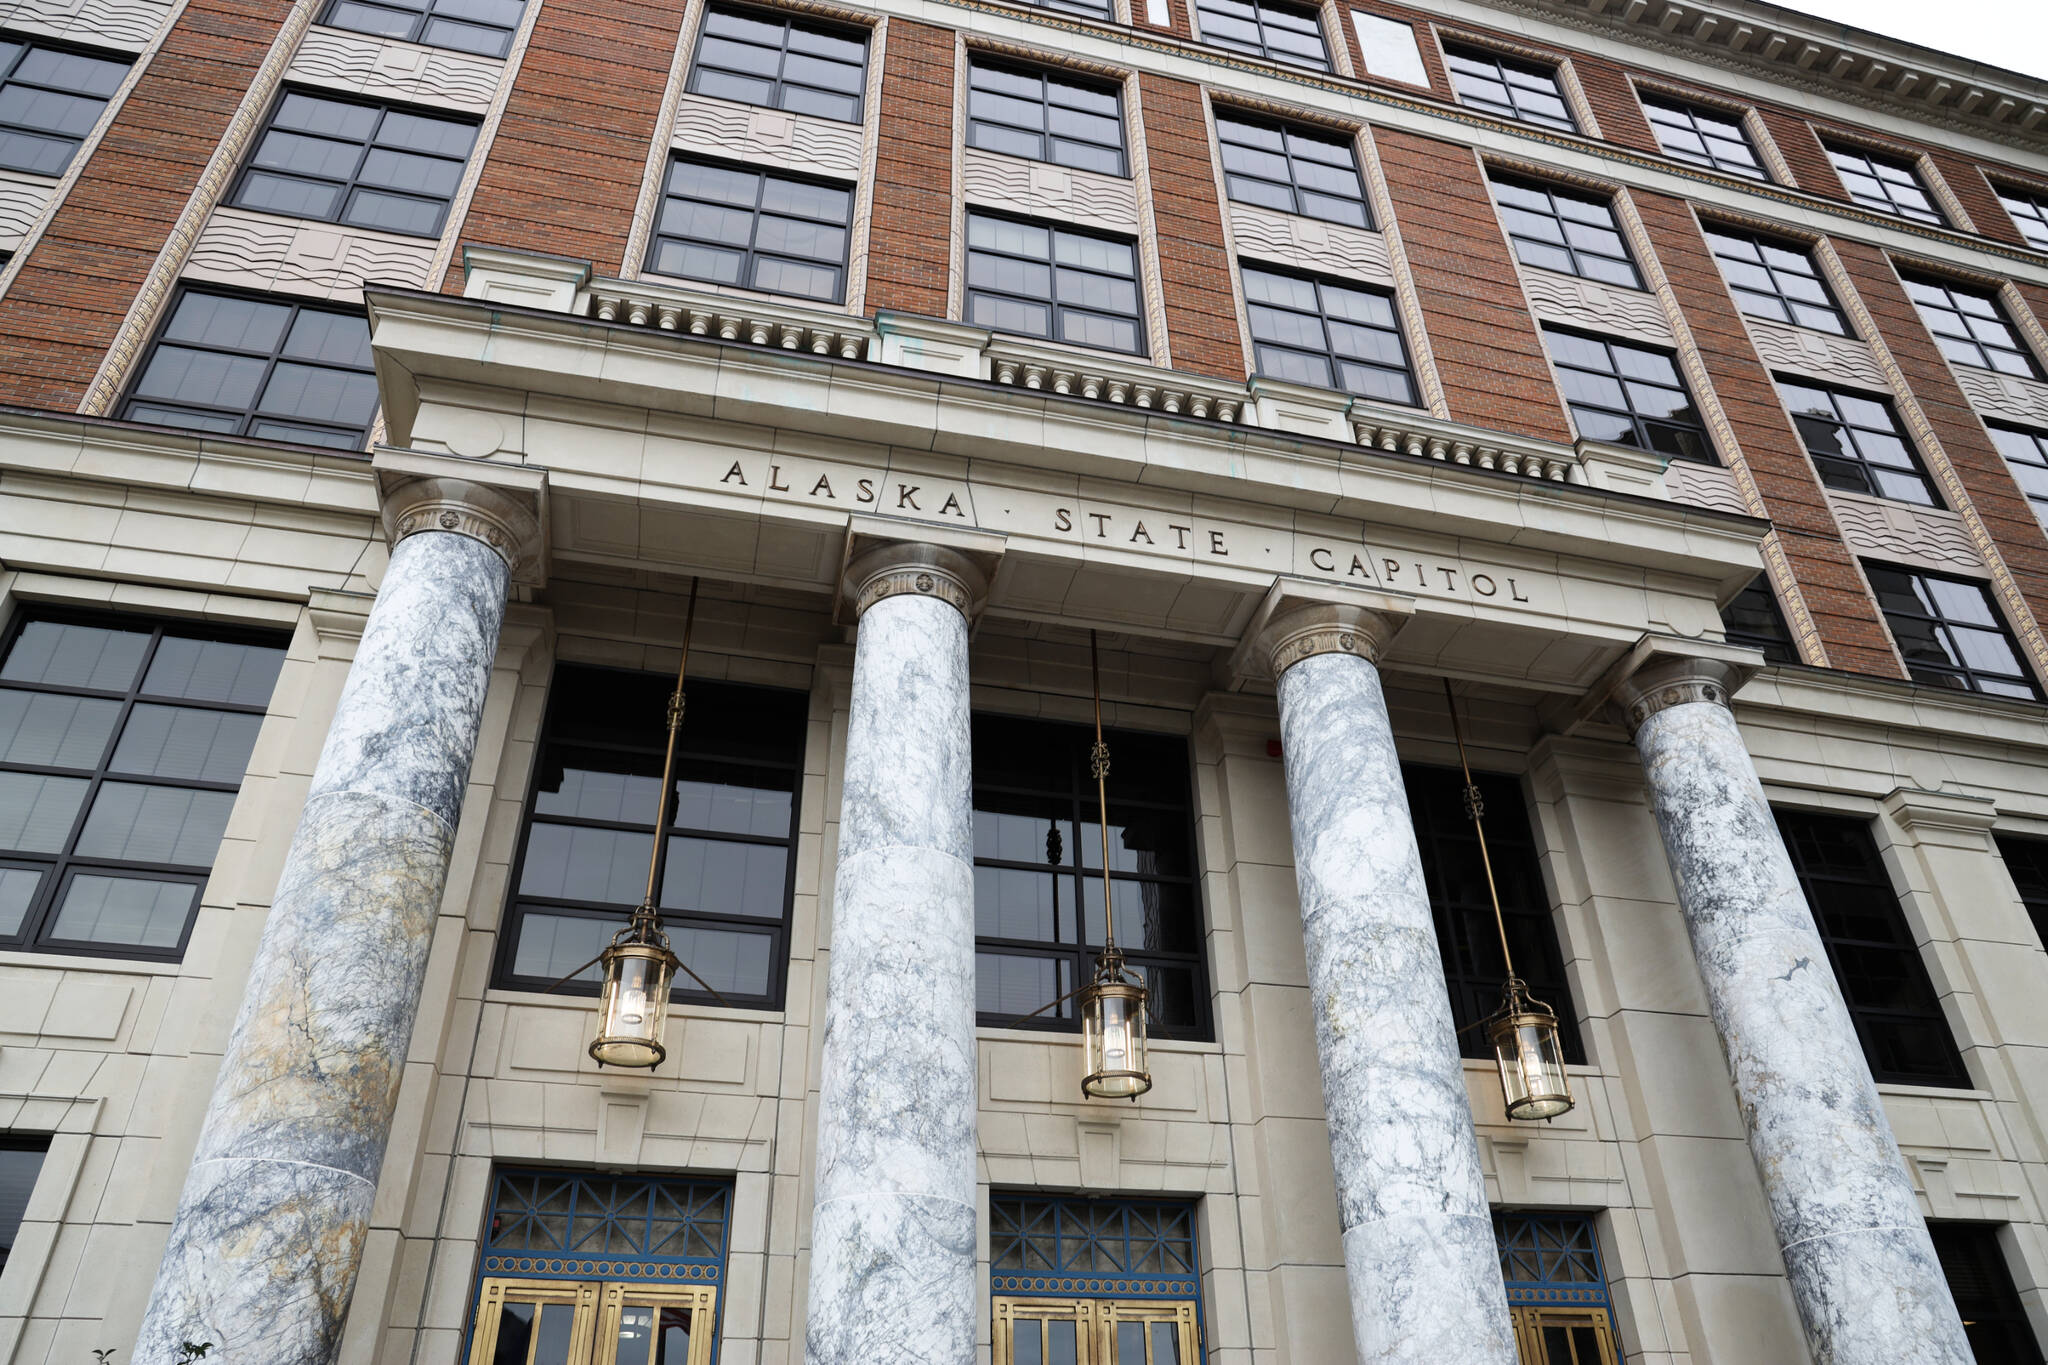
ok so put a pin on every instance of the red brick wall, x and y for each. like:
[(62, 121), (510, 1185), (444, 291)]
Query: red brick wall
[(1494, 368), (1811, 169), (1851, 628), (1201, 315), (1970, 186), (565, 168), (2007, 514), (1615, 105), (75, 287), (910, 243)]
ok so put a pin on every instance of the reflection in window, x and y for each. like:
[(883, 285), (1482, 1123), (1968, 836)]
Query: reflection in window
[(1037, 872), (1327, 334), (484, 27), (730, 840), (1773, 281), (1045, 115), (376, 166), (1628, 394), (1509, 86), (50, 98), (122, 747), (1971, 327), (1856, 443), (1041, 280), (756, 229), (1754, 620), (1560, 229), (2029, 210), (2026, 454), (1273, 29), (1290, 168), (781, 62), (1950, 633)]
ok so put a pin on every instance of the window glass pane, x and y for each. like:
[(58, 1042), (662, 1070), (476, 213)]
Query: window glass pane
[(21, 1163), (37, 811), (18, 887), (50, 731), (213, 670), (123, 911), (134, 822)]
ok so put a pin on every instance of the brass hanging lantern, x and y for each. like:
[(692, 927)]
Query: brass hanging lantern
[(1112, 1005), (1527, 1045)]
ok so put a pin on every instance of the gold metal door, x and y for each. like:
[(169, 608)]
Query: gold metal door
[(1565, 1336), (1095, 1332), (1148, 1333), (1044, 1332), (589, 1322)]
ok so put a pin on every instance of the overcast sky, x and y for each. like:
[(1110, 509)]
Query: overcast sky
[(2008, 33)]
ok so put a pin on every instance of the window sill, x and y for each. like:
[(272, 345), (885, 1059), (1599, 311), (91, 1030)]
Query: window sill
[(500, 995), (82, 962), (1934, 1092), (987, 1033)]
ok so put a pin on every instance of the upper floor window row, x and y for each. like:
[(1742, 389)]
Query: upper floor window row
[(1046, 281), (1971, 328), (2026, 451), (484, 27), (781, 63), (1774, 281), (366, 165), (1293, 169), (726, 224), (1950, 633), (1559, 229), (1045, 116), (2029, 210), (1887, 184), (1628, 394), (1509, 86), (1274, 29), (1329, 334), (1704, 137), (50, 98)]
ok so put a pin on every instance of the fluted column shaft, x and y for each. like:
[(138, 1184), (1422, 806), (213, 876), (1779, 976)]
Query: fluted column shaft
[(268, 1237), (893, 1223), (1862, 1268), (1419, 1251)]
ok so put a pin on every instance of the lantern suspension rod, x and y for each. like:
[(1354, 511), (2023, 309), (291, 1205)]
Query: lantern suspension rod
[(1098, 763), (1475, 808), (668, 763)]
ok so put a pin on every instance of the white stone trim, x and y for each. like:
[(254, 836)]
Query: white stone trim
[(1904, 533), (1589, 305), (303, 257), (1815, 354), (1039, 189), (387, 69), (1310, 244)]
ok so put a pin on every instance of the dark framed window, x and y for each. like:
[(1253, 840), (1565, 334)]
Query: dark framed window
[(1754, 619), (1038, 872), (484, 27), (1093, 9), (1508, 86), (1045, 116), (1971, 328), (1557, 1288), (1704, 137), (2027, 861), (21, 1162), (1272, 29), (122, 747), (2026, 451), (1775, 281), (781, 62), (366, 165), (1465, 932), (1293, 169), (50, 98), (1855, 442), (1328, 334), (1628, 394), (1870, 946), (1118, 1275), (729, 847), (2029, 210), (1980, 1278), (1950, 632), (1044, 281), (1887, 184), (781, 234), (1559, 229), (267, 367)]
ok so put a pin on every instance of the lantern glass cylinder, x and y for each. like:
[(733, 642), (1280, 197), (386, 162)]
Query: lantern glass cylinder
[(1113, 1034), (632, 1012), (1531, 1058)]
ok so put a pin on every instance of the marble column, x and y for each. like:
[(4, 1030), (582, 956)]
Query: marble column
[(893, 1223), (1857, 1253), (1419, 1252), (266, 1243)]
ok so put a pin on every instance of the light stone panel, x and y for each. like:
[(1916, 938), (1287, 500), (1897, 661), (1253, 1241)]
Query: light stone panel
[(1705, 485), (1817, 355), (385, 68), (1310, 244), (125, 25), (23, 198), (1039, 189), (325, 261), (1588, 304), (2004, 395), (769, 137), (1927, 537)]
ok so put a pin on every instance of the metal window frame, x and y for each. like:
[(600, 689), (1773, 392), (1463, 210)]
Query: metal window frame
[(751, 255), (245, 418), (2039, 440), (1956, 668), (429, 10), (2028, 209), (1692, 114), (1885, 201), (1045, 77), (1509, 107), (2026, 861), (1848, 432), (789, 22), (1950, 291), (1057, 310), (1877, 893), (1957, 1239), (1077, 955), (517, 904), (1322, 316), (35, 42), (60, 867), (1763, 262), (1636, 420), (352, 183), (1551, 194), (1264, 47), (21, 1142), (1288, 132)]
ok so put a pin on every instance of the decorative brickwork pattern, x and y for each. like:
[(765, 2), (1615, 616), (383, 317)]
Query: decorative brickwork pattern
[(910, 248), (1425, 43), (1201, 317), (1494, 368), (1851, 630), (566, 165)]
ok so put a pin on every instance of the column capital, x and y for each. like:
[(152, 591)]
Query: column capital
[(504, 506), (1301, 618), (1662, 671), (886, 558)]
